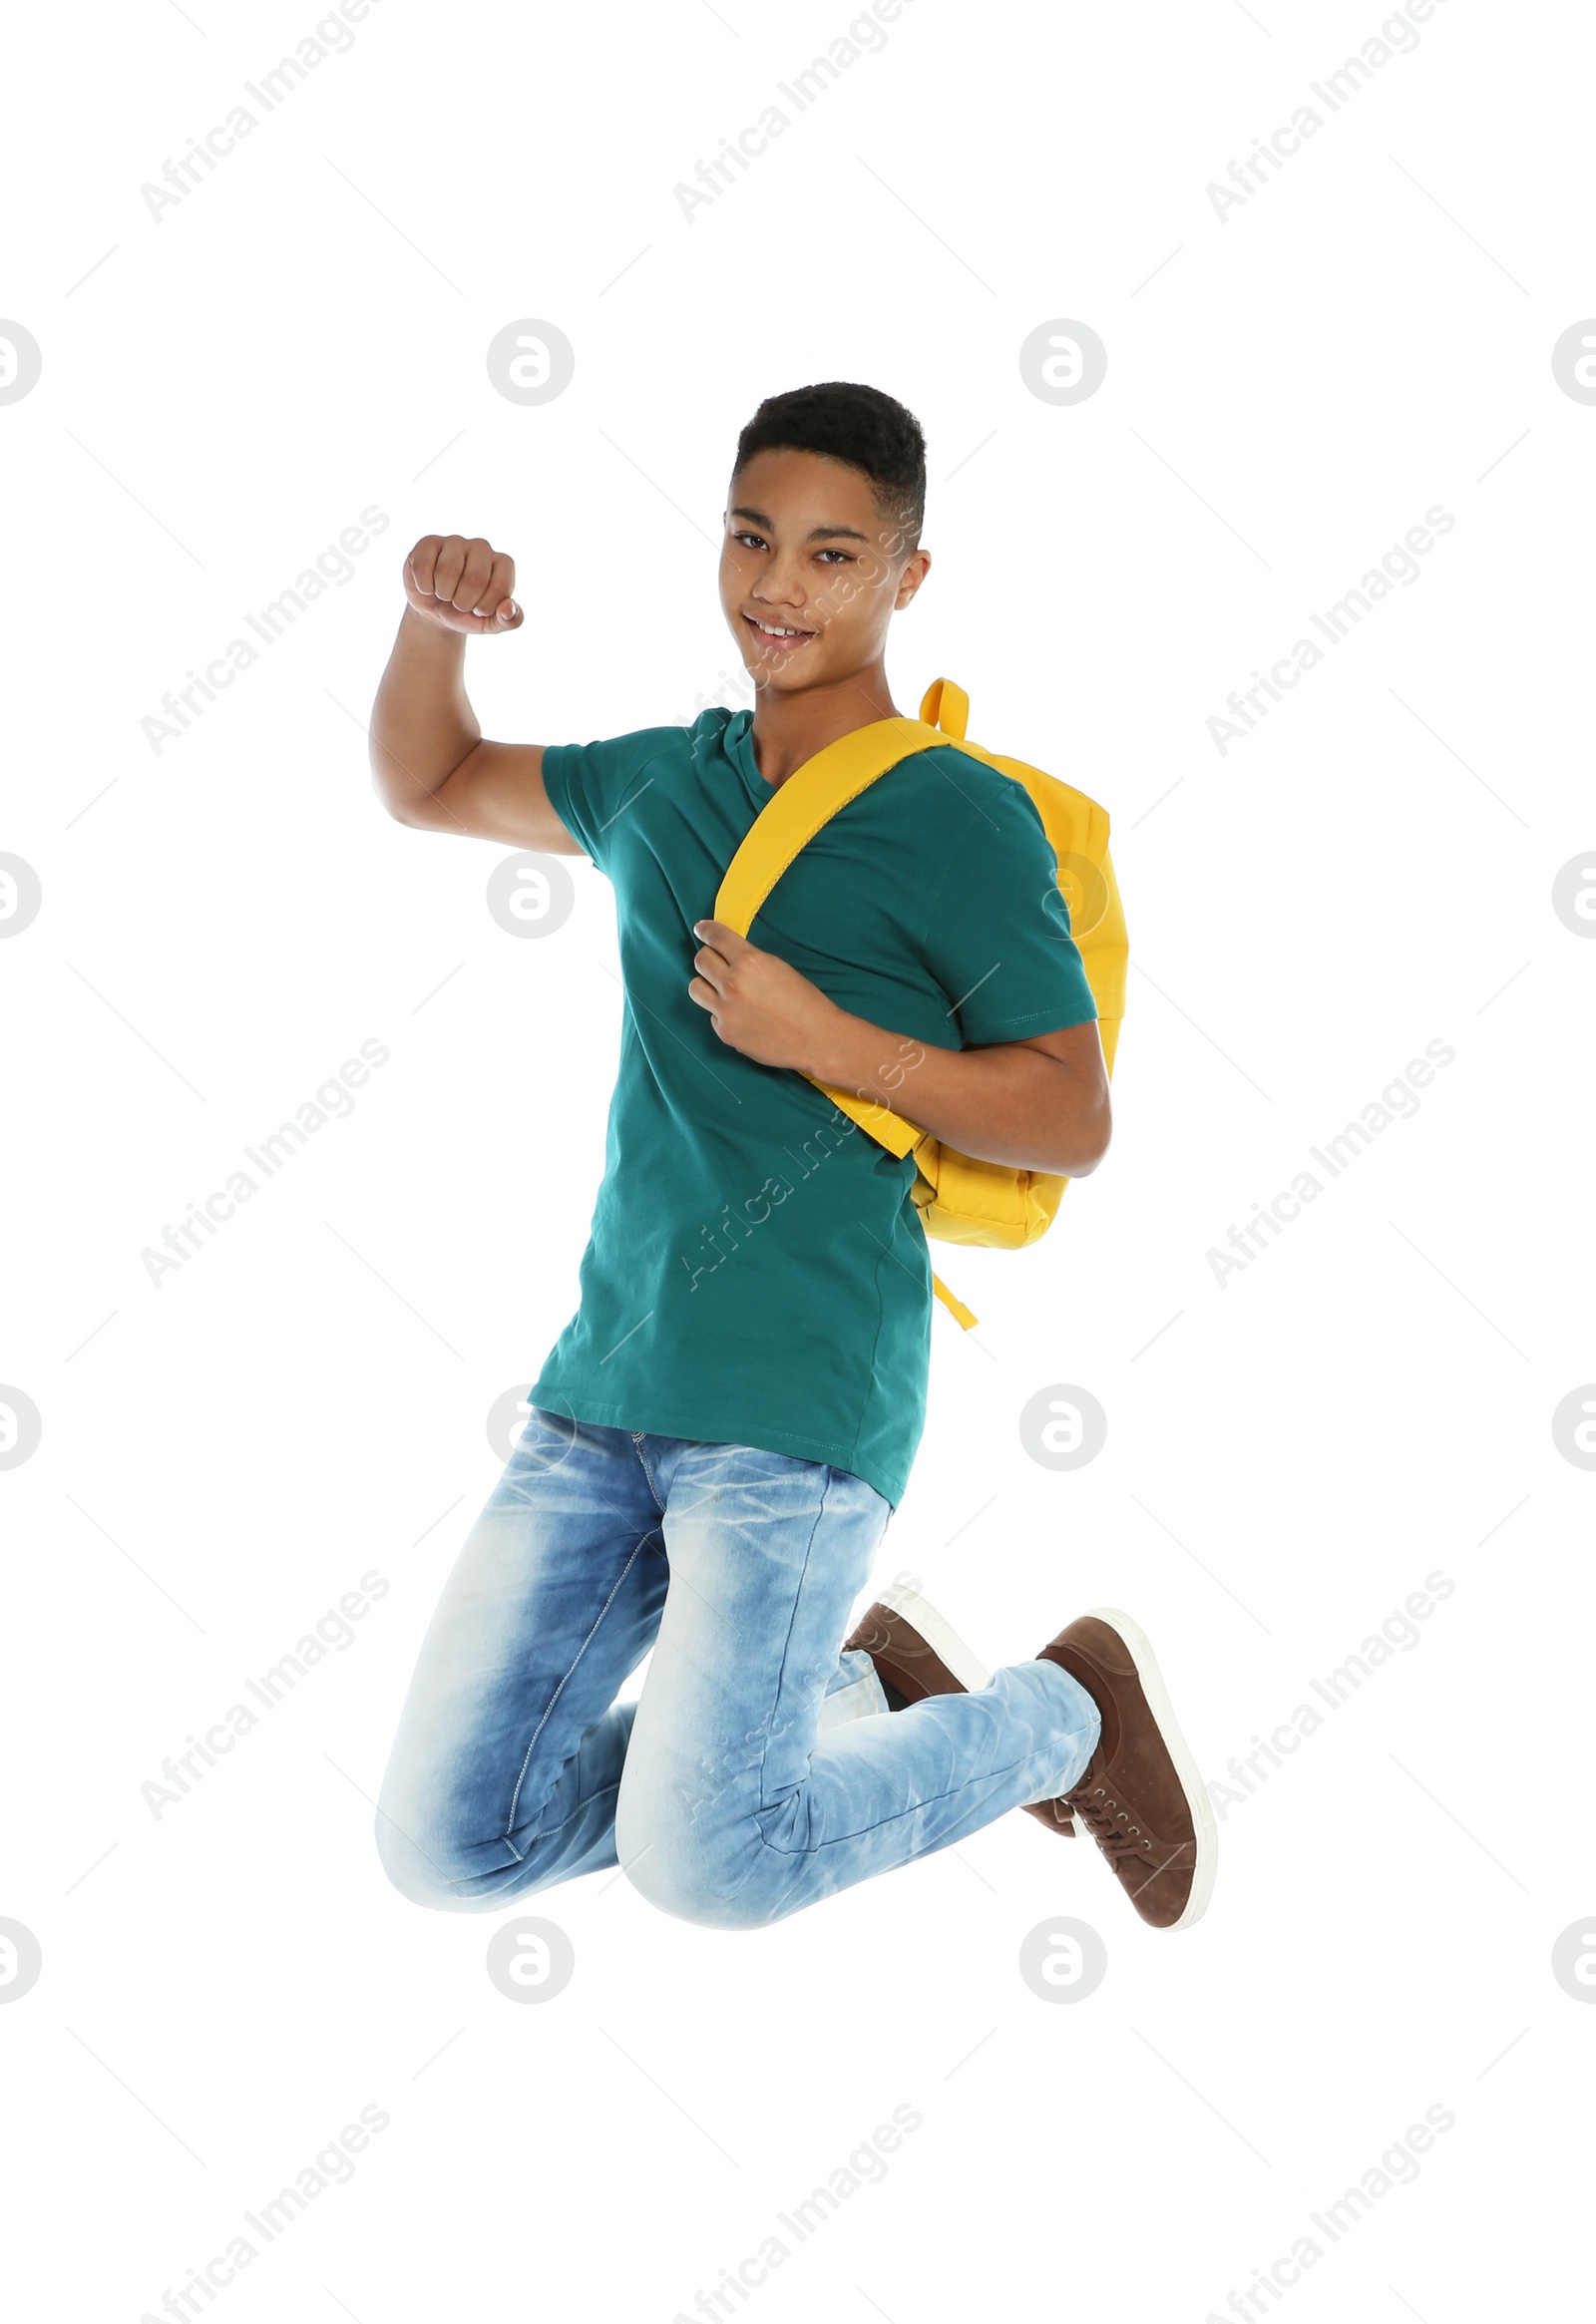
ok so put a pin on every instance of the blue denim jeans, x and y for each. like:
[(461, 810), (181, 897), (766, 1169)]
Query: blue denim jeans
[(760, 1771)]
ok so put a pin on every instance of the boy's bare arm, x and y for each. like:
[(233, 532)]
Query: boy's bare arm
[(430, 766), (1037, 1104)]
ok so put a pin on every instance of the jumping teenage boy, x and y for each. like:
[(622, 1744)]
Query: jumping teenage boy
[(720, 1433)]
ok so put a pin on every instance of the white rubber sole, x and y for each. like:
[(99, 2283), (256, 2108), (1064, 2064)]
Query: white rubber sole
[(939, 1634), (1191, 1783)]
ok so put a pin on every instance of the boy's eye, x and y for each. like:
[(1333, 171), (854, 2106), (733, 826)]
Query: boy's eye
[(842, 553), (754, 539)]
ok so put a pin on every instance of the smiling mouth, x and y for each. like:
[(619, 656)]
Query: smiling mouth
[(777, 637)]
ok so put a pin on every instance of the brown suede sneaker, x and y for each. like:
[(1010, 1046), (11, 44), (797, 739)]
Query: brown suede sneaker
[(1141, 1799), (916, 1652)]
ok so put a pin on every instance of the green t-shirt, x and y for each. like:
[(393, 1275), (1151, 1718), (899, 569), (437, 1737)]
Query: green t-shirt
[(757, 1272)]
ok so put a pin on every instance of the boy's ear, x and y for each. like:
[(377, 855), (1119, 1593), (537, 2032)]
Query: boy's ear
[(916, 567)]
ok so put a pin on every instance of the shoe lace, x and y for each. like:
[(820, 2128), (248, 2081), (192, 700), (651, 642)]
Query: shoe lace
[(1107, 1824)]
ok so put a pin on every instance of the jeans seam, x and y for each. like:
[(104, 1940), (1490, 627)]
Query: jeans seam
[(797, 1596), (515, 1797), (642, 1462), (882, 1823), (555, 1829)]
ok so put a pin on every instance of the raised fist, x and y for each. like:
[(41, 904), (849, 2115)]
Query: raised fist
[(462, 585)]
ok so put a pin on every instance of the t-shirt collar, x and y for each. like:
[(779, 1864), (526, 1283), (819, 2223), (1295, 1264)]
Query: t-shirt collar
[(737, 740)]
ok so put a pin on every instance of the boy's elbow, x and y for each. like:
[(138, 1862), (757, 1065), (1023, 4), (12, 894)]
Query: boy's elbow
[(401, 795), (1095, 1146), (401, 810), (1088, 1135), (1073, 1120)]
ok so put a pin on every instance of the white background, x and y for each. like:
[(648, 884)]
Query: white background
[(1289, 390)]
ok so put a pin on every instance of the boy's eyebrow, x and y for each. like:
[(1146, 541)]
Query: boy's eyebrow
[(818, 532)]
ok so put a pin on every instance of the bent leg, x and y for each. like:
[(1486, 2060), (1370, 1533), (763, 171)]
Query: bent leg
[(505, 1769), (738, 1805), (854, 1691)]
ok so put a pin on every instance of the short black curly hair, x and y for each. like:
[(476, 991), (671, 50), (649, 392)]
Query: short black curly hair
[(863, 428)]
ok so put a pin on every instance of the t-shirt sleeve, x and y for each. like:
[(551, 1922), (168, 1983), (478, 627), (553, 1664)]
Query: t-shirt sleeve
[(999, 941), (591, 784)]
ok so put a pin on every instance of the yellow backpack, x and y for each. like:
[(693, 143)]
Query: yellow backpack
[(959, 1199)]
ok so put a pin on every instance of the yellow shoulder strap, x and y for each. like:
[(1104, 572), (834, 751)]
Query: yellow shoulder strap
[(803, 805), (806, 801), (798, 808)]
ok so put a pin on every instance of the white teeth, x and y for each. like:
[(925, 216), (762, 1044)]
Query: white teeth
[(769, 632)]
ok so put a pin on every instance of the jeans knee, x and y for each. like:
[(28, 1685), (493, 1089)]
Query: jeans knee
[(690, 1872), (680, 1887), (418, 1868)]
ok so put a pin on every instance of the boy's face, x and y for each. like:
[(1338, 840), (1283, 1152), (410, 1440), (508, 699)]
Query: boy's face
[(808, 553)]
